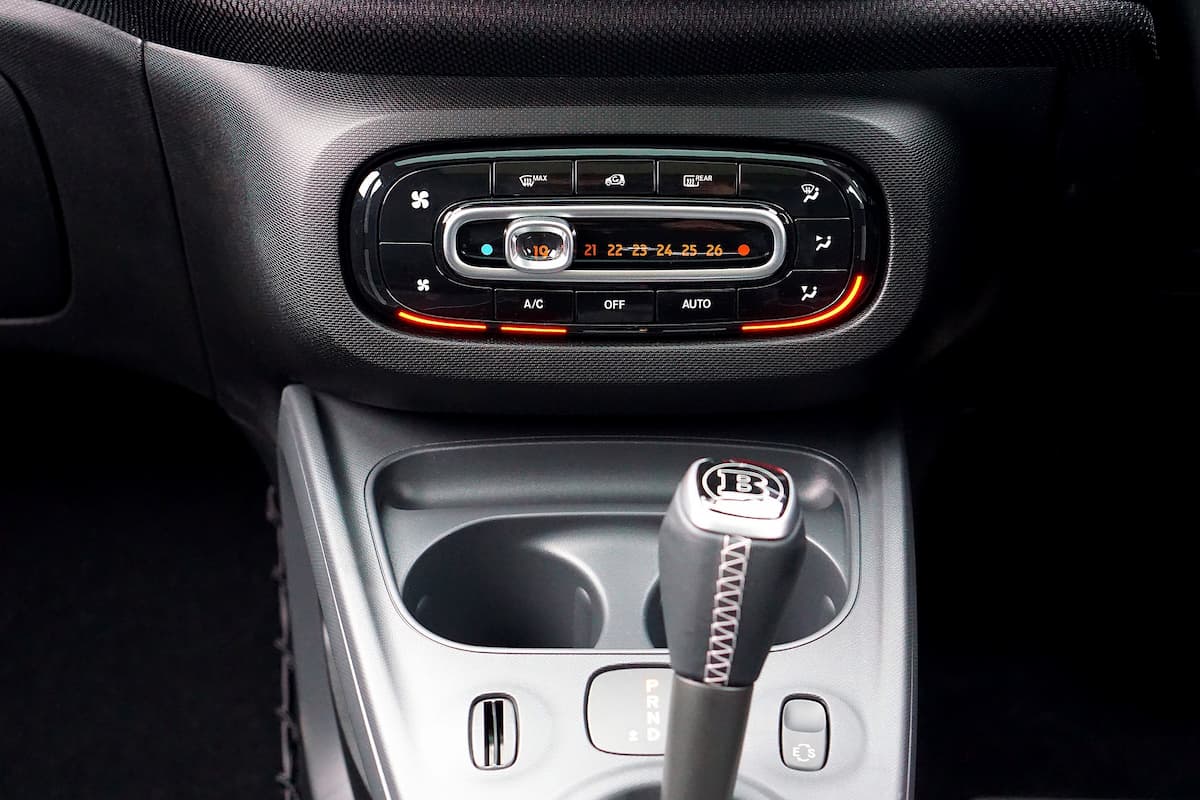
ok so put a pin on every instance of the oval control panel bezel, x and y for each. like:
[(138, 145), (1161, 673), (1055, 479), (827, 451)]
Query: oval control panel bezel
[(836, 300)]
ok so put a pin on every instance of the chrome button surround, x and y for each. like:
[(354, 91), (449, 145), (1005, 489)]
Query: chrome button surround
[(556, 260)]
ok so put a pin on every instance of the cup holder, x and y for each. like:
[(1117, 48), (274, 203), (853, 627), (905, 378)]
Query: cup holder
[(505, 583), (562, 581), (813, 603)]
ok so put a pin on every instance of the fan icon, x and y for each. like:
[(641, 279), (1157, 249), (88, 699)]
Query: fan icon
[(420, 199), (423, 285)]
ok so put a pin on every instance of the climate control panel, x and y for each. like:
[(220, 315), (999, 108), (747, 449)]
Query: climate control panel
[(617, 242)]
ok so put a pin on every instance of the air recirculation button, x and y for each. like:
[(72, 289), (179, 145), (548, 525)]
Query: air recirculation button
[(493, 732)]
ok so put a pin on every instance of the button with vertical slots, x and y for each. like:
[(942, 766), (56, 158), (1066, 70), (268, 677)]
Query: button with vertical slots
[(494, 732)]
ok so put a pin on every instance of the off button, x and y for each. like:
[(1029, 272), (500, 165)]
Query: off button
[(700, 305), (614, 307)]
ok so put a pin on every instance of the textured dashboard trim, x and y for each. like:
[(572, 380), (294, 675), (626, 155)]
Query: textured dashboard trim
[(262, 160), (641, 37), (130, 300)]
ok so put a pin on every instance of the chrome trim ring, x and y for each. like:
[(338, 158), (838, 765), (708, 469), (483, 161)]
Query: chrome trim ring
[(536, 266), (742, 212)]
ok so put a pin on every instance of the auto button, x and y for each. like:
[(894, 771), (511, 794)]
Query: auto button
[(696, 305)]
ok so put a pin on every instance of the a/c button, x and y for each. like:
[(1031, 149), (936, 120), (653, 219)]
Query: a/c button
[(698, 305), (519, 305)]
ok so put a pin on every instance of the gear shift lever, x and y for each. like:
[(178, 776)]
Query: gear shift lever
[(729, 551)]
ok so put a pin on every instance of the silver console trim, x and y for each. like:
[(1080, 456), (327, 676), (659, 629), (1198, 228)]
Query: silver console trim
[(490, 210)]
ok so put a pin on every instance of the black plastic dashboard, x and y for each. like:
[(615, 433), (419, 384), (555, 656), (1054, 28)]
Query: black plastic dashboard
[(227, 265)]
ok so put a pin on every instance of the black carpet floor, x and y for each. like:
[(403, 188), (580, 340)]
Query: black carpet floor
[(138, 610), (1058, 565)]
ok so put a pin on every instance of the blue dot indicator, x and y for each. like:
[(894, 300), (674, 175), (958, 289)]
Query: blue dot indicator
[(486, 249)]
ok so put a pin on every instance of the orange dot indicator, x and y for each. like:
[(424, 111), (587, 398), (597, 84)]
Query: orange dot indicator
[(743, 249)]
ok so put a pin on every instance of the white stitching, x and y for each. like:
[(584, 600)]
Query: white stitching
[(726, 610)]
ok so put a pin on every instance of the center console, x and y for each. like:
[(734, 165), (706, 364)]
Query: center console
[(510, 314), (486, 596)]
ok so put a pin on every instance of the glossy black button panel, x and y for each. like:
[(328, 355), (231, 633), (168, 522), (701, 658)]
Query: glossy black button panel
[(535, 305), (534, 178), (800, 192), (697, 178), (482, 242), (416, 201), (614, 308), (682, 306), (823, 244), (614, 178), (413, 279), (398, 238), (801, 293)]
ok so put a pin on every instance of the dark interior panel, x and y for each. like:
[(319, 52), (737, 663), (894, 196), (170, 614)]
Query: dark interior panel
[(33, 275), (83, 88), (660, 37)]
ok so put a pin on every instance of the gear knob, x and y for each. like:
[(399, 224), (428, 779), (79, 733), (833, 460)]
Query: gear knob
[(729, 552)]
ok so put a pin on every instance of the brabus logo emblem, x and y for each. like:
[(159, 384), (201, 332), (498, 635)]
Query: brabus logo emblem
[(744, 490)]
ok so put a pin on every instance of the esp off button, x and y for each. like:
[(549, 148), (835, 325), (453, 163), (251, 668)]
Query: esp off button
[(614, 307), (804, 734)]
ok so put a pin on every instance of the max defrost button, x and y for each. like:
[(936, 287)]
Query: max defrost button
[(614, 307), (627, 710), (697, 305), (519, 305), (534, 178)]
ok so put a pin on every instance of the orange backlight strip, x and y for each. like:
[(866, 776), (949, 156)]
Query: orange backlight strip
[(856, 289), (533, 329), (816, 319), (443, 324)]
